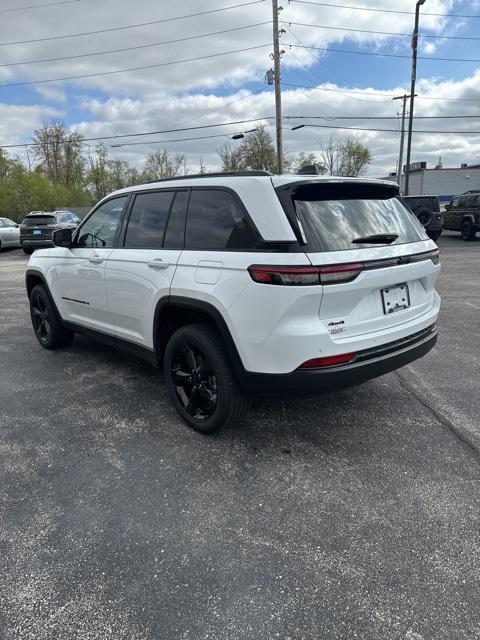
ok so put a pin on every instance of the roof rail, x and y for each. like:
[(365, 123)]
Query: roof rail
[(218, 174)]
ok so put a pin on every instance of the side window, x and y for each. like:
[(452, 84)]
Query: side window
[(1, 223), (216, 221), (100, 228), (148, 219), (175, 234), (472, 202), (462, 203), (454, 203)]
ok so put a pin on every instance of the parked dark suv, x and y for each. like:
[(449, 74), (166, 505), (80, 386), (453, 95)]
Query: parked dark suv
[(463, 214), (37, 228), (427, 210)]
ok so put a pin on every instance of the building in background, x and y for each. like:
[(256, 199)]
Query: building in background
[(443, 182)]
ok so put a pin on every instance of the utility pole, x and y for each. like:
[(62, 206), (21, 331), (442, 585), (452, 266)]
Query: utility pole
[(402, 137), (278, 92), (412, 93)]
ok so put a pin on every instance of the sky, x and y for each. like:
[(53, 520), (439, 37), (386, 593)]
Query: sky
[(209, 69)]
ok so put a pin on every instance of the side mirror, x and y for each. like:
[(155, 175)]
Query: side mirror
[(62, 238)]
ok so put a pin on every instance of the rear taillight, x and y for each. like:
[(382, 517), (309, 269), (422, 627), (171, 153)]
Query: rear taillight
[(328, 361), (305, 276), (435, 256), (439, 216)]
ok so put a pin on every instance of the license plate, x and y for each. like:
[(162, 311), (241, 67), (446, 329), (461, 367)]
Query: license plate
[(37, 232), (396, 298)]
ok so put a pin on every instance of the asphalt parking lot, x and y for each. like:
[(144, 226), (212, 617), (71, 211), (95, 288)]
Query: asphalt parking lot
[(353, 515)]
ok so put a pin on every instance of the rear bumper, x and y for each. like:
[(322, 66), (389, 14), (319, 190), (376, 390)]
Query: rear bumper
[(435, 225), (40, 242), (369, 364)]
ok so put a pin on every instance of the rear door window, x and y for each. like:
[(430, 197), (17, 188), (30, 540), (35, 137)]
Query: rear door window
[(148, 220), (175, 233), (217, 221), (332, 218)]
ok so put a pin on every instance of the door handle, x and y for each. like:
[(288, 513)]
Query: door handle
[(158, 263), (95, 258)]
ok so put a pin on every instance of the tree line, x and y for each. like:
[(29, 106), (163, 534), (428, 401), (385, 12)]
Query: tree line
[(62, 170)]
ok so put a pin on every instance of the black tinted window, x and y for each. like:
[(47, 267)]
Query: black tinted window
[(175, 234), (216, 221), (148, 219), (333, 224), (100, 228), (472, 202), (35, 221)]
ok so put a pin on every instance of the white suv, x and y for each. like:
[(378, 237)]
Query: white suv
[(245, 284)]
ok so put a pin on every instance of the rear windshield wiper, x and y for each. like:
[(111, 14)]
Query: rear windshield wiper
[(379, 238)]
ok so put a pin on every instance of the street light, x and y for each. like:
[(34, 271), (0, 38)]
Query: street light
[(239, 136), (412, 92)]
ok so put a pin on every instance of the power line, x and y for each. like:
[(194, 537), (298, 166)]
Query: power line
[(149, 133), (324, 64), (387, 96), (343, 6), (140, 46), (116, 71), (132, 26), (383, 55), (38, 6), (382, 33), (430, 131), (224, 106), (143, 142), (477, 117)]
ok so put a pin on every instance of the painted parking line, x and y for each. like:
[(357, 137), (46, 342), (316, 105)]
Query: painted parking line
[(474, 306)]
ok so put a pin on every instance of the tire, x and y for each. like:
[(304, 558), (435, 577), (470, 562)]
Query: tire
[(468, 231), (48, 327), (201, 381), (424, 216), (27, 250), (434, 235)]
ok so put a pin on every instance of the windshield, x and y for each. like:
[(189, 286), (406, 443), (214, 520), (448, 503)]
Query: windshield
[(339, 224), (38, 221)]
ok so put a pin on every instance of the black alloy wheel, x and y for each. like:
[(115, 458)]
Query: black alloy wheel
[(40, 318), (194, 380), (201, 380), (47, 324)]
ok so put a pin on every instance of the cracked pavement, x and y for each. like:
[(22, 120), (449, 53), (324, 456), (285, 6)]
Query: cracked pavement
[(352, 515)]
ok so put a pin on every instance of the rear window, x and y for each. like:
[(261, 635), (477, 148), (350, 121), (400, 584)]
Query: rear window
[(36, 221), (333, 217), (215, 220)]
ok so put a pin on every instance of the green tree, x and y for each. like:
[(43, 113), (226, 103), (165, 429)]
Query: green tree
[(345, 158), (307, 159), (256, 151), (160, 165), (58, 153)]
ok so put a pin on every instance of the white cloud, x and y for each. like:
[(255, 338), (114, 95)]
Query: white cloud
[(173, 96), (16, 121)]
